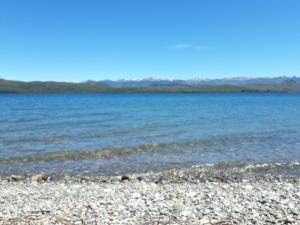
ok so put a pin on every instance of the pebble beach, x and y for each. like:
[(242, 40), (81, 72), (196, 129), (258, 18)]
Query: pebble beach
[(184, 196)]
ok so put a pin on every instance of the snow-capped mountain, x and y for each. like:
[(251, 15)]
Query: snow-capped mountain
[(159, 82)]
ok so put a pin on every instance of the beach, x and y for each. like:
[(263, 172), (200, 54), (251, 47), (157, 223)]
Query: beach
[(198, 195)]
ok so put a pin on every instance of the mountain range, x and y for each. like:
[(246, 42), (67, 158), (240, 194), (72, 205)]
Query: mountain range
[(158, 82), (156, 85)]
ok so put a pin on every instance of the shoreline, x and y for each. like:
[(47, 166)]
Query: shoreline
[(217, 172), (196, 195)]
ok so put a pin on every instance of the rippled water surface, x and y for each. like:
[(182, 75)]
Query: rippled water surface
[(117, 133)]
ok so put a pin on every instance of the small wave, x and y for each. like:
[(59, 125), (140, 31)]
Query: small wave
[(80, 155), (105, 153), (235, 147)]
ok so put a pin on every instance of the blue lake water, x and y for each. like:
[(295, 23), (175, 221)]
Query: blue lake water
[(118, 133)]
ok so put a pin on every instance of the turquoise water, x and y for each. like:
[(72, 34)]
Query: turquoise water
[(117, 133)]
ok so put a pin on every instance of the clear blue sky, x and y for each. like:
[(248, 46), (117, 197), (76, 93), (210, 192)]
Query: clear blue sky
[(72, 40)]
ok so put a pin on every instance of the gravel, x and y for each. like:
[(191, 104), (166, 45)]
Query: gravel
[(156, 198)]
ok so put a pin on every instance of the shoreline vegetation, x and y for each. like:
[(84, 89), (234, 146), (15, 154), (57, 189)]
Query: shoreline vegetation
[(16, 87)]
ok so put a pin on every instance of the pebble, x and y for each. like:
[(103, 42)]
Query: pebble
[(124, 200), (125, 178), (204, 220), (40, 178)]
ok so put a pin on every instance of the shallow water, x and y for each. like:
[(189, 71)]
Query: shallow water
[(122, 133)]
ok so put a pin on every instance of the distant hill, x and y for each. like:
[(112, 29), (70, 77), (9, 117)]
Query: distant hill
[(8, 86), (279, 84), (287, 85)]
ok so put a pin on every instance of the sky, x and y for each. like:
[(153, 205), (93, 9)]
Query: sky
[(77, 40)]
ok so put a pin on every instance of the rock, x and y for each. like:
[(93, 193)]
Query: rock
[(186, 213), (40, 178), (136, 195), (262, 201), (125, 178), (288, 220), (206, 212), (204, 221), (192, 194), (13, 178), (248, 187), (140, 178)]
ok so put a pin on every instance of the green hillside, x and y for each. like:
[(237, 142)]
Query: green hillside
[(50, 87)]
